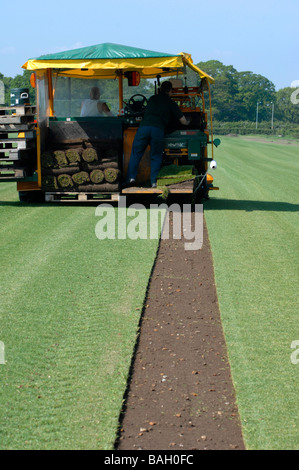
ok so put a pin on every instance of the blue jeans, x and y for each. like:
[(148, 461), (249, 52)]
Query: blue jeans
[(147, 135)]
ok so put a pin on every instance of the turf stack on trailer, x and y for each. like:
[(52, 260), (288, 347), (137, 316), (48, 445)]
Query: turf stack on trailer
[(81, 170), (82, 157)]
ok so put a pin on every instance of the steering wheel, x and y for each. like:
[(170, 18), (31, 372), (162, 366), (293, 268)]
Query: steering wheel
[(137, 105)]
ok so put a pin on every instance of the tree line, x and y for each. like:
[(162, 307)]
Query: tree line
[(19, 81), (236, 96)]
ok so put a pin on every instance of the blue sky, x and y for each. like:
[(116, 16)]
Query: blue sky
[(258, 36)]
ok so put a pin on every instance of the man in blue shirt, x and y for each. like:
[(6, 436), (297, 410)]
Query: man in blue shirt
[(161, 109)]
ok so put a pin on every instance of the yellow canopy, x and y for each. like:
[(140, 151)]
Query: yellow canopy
[(188, 61), (109, 60)]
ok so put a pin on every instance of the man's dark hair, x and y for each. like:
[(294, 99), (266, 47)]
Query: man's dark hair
[(166, 87)]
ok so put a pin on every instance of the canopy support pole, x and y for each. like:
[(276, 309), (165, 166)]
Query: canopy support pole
[(51, 96), (120, 91), (211, 119)]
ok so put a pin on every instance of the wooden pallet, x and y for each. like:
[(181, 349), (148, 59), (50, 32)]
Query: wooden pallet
[(15, 154), (22, 110), (80, 197), (17, 127), (16, 144), (12, 174), (17, 119), (9, 120), (18, 148)]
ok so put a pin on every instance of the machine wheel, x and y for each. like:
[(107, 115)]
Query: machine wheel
[(199, 194), (31, 196)]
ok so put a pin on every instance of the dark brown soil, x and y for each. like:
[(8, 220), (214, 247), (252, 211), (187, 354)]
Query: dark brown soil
[(181, 395)]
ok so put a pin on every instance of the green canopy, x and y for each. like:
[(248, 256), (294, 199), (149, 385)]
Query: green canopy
[(106, 50), (107, 60)]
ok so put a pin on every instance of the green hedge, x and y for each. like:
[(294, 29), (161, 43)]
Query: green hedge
[(246, 127)]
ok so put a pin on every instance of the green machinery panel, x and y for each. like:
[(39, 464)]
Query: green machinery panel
[(193, 140)]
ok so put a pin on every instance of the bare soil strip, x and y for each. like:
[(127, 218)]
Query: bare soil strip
[(181, 395)]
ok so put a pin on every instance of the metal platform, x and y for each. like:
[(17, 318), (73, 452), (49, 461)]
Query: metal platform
[(80, 197), (138, 190)]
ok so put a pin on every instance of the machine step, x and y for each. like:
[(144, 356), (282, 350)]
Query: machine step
[(139, 190)]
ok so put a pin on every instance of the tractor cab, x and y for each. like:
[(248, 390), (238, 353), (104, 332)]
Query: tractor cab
[(81, 158)]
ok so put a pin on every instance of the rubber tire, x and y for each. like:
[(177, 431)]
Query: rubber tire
[(31, 196)]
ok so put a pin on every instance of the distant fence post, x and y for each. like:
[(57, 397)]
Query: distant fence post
[(2, 92)]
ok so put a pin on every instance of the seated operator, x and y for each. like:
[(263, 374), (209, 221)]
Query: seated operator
[(159, 111), (93, 106)]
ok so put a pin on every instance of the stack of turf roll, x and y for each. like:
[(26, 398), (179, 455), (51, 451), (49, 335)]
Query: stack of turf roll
[(103, 169), (60, 158), (80, 170), (73, 155), (90, 155)]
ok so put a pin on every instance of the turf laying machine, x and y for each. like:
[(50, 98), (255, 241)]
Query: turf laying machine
[(57, 153)]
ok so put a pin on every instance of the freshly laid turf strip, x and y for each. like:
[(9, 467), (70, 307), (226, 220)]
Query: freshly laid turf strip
[(253, 228), (172, 174), (69, 311)]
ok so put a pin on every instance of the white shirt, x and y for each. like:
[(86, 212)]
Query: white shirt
[(90, 108)]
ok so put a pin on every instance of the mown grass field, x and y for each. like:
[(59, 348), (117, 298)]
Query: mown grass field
[(253, 228), (70, 306)]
